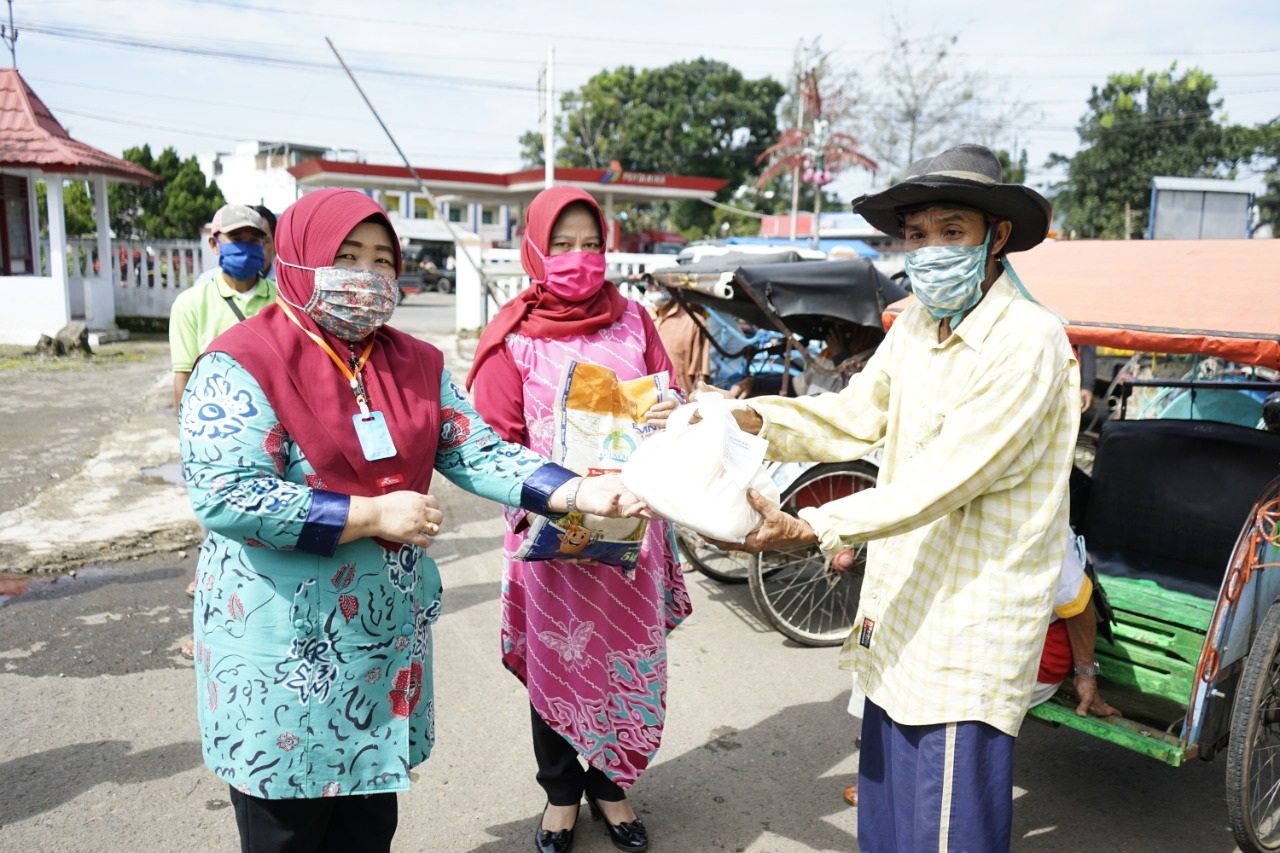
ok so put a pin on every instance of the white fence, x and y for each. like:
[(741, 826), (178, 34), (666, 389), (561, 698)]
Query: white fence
[(507, 280), (146, 277)]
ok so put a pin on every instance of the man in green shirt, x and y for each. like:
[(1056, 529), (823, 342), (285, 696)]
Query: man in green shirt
[(217, 303)]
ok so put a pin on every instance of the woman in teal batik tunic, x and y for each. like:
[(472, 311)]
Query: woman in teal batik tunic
[(315, 594)]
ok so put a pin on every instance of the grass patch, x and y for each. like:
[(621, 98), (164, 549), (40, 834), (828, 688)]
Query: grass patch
[(136, 349)]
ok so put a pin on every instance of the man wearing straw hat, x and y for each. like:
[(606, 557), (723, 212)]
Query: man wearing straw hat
[(975, 399)]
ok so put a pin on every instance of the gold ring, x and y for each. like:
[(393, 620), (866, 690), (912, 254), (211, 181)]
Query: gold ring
[(432, 528)]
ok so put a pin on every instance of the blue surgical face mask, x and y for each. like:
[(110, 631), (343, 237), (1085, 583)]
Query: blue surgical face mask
[(948, 279), (241, 261)]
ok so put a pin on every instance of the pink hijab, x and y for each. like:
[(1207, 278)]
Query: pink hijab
[(538, 312)]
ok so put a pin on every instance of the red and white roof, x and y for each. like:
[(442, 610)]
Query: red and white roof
[(622, 186), (31, 138)]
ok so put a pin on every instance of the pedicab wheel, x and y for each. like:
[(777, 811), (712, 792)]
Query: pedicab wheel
[(724, 566), (1253, 755), (800, 594)]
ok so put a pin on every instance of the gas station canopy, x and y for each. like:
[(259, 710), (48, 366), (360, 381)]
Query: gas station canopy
[(614, 185)]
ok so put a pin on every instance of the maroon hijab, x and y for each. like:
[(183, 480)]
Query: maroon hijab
[(537, 312), (311, 397)]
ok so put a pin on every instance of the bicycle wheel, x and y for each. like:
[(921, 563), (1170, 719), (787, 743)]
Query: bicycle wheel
[(724, 566), (1253, 773), (797, 590)]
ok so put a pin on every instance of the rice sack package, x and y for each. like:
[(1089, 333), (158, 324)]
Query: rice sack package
[(599, 424), (697, 474)]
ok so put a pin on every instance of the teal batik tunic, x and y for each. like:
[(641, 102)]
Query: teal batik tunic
[(313, 659)]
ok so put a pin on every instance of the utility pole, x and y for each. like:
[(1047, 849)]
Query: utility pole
[(549, 130), (9, 35), (795, 172), (1128, 222), (820, 177)]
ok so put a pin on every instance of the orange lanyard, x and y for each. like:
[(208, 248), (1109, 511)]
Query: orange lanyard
[(353, 376)]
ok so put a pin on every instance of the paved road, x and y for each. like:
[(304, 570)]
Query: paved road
[(101, 749)]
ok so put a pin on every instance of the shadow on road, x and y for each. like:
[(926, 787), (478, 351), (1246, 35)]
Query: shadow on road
[(739, 785), (45, 780)]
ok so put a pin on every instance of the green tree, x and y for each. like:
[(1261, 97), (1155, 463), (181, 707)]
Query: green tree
[(1138, 126), (174, 207), (700, 118), (77, 207), (1013, 173), (1267, 147)]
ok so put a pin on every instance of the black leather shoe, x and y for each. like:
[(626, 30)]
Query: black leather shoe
[(625, 836), (546, 841)]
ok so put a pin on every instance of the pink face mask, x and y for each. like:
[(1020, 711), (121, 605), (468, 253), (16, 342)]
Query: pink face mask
[(573, 276)]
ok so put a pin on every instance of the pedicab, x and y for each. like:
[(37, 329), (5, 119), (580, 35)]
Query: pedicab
[(1181, 507), (795, 591)]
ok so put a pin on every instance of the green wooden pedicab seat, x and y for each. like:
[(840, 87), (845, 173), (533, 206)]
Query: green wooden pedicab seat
[(1161, 517)]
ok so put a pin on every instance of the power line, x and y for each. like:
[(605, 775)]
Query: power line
[(489, 31), (204, 133), (147, 126), (769, 46), (273, 110), (266, 58)]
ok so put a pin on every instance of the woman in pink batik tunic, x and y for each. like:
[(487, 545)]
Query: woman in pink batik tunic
[(587, 639)]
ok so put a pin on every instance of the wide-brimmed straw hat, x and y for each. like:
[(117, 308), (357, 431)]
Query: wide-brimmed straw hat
[(968, 175)]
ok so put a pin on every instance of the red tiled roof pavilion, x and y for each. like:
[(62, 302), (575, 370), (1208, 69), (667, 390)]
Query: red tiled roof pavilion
[(31, 138)]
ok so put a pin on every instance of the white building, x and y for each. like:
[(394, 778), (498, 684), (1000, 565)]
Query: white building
[(258, 172)]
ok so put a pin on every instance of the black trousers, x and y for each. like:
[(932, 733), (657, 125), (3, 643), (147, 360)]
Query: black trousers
[(352, 824), (560, 772)]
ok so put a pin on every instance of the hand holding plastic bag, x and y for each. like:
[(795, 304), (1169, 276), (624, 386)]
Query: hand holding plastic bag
[(697, 474)]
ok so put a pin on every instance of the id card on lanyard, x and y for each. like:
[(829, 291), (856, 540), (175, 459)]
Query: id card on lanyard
[(370, 426), (375, 438)]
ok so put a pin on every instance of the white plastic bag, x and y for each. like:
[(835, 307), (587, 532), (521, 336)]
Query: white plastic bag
[(697, 475)]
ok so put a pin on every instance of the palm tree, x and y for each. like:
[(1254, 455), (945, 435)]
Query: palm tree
[(814, 154)]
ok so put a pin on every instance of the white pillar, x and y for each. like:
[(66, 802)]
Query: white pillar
[(58, 308), (101, 309), (549, 132), (35, 222), (610, 242), (469, 294), (57, 232), (103, 215)]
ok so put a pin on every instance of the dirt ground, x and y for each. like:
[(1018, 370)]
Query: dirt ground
[(56, 415)]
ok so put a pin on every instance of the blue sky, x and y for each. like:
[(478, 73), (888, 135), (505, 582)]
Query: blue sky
[(457, 81)]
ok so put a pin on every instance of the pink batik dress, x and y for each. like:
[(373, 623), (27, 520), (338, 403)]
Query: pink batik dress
[(587, 639)]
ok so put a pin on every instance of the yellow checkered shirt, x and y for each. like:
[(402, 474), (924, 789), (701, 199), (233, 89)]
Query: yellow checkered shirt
[(965, 523)]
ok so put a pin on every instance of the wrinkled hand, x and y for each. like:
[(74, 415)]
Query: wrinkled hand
[(659, 412), (776, 529), (605, 495), (407, 517), (1091, 701)]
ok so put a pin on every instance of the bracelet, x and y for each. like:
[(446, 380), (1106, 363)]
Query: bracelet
[(1091, 669), (571, 498)]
